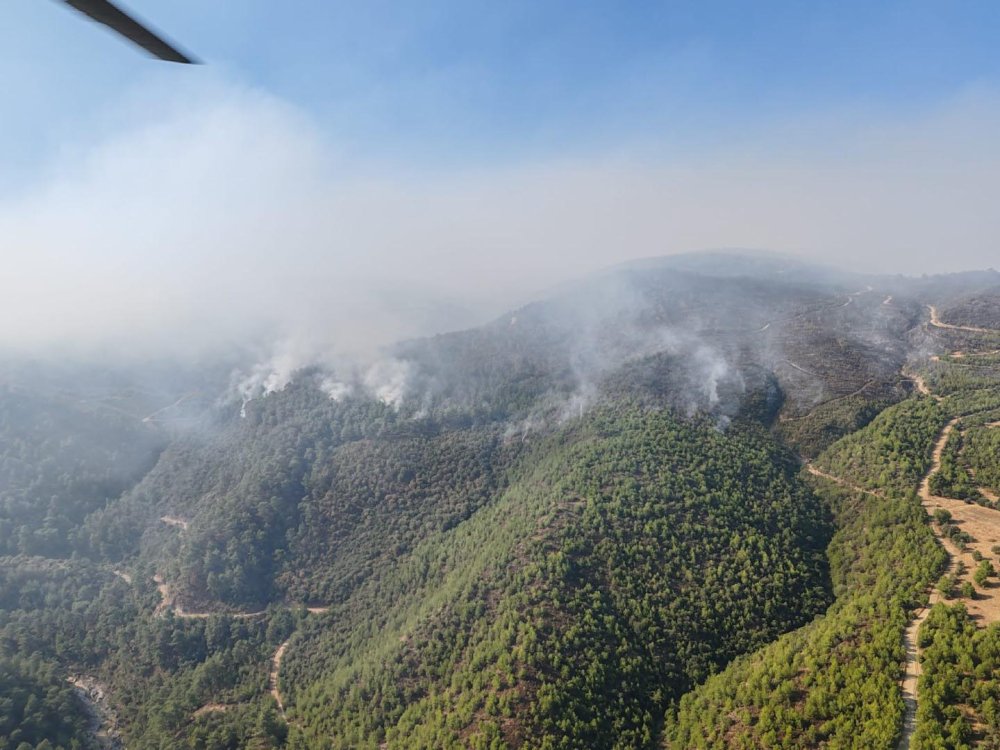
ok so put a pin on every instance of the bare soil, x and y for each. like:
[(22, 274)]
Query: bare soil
[(273, 676), (211, 708), (174, 521)]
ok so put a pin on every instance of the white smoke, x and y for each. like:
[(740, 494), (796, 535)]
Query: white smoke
[(389, 381), (267, 377), (335, 389), (253, 222), (713, 367)]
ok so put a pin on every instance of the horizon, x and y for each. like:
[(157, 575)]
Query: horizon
[(281, 354), (384, 171)]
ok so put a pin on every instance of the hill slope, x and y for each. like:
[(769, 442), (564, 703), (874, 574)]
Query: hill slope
[(549, 531)]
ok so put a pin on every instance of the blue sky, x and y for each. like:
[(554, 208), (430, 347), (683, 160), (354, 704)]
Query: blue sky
[(426, 165), (437, 83)]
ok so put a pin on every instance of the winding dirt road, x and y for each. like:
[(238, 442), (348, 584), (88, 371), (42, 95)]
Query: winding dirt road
[(279, 655), (841, 481), (912, 669), (169, 602), (273, 676), (938, 323), (911, 675), (983, 525), (919, 381)]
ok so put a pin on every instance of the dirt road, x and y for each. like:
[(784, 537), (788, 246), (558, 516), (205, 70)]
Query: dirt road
[(276, 664), (912, 668), (919, 381), (983, 525), (841, 481), (169, 602), (273, 676), (153, 416), (938, 323)]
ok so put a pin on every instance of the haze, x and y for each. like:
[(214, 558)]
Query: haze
[(200, 208)]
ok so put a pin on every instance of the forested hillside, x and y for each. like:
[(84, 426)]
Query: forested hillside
[(38, 708), (835, 682), (585, 524), (60, 461), (631, 554), (981, 310)]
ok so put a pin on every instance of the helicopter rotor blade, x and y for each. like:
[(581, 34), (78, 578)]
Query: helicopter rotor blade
[(118, 20)]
